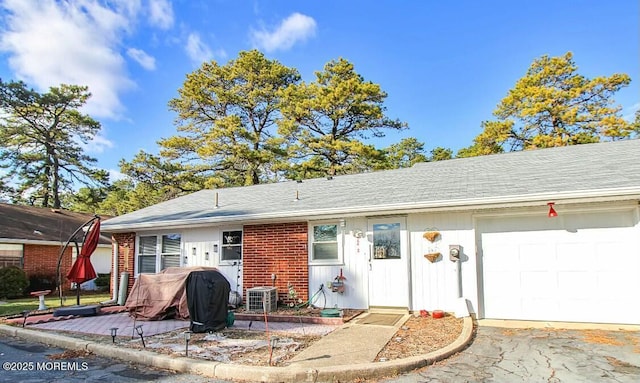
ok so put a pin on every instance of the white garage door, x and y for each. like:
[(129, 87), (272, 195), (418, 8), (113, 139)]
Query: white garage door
[(576, 267)]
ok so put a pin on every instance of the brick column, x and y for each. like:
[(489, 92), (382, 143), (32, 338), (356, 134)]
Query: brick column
[(126, 244)]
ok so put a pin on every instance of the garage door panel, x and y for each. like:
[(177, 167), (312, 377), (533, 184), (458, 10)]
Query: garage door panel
[(502, 283), (537, 284), (576, 269), (534, 257), (575, 256), (614, 257), (504, 257), (611, 284), (575, 285), (538, 307)]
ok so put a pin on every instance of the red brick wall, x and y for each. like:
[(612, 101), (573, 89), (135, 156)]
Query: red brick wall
[(126, 256), (279, 249), (43, 260)]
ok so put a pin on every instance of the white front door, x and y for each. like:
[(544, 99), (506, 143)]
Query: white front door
[(388, 263)]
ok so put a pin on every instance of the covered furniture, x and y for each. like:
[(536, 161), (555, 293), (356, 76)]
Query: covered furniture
[(208, 300), (163, 295)]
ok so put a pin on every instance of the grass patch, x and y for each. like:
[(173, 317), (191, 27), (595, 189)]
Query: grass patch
[(17, 306)]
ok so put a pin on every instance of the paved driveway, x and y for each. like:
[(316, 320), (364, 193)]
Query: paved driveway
[(534, 355)]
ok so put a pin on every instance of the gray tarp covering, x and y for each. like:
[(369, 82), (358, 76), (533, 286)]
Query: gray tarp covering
[(162, 295)]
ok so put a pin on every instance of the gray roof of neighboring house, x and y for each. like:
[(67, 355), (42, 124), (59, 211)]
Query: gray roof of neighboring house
[(20, 224), (610, 169)]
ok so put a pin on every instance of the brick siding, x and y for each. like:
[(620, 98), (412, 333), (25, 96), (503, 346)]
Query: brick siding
[(126, 257), (279, 249), (43, 260)]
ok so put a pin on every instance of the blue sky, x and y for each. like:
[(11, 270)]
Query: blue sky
[(444, 64)]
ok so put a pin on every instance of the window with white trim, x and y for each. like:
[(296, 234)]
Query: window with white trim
[(11, 254), (324, 243), (231, 246), (170, 255), (147, 254), (157, 252)]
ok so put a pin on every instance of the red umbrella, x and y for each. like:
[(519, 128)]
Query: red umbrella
[(82, 269)]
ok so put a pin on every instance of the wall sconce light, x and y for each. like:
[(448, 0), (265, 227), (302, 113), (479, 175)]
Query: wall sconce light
[(206, 255), (139, 331), (193, 251), (187, 337), (552, 211), (215, 247), (114, 332)]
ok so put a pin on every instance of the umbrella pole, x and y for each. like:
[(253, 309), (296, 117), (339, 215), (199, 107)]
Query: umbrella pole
[(77, 284), (58, 271)]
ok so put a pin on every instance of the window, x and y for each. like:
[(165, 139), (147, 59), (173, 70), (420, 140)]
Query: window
[(324, 243), (156, 253), (170, 251), (386, 241), (147, 254), (10, 255), (231, 246)]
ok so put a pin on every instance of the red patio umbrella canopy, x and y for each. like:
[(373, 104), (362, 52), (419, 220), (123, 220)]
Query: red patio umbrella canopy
[(82, 270)]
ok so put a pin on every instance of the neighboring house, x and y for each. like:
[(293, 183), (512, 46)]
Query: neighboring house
[(516, 261), (32, 238)]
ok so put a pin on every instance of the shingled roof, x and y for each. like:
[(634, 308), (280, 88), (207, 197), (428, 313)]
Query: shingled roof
[(19, 223), (609, 170)]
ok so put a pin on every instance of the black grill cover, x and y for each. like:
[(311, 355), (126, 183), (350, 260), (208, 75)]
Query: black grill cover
[(207, 299)]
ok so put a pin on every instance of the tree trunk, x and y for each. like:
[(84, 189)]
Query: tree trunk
[(55, 186)]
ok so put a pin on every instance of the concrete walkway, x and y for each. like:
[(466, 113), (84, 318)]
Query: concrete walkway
[(353, 343)]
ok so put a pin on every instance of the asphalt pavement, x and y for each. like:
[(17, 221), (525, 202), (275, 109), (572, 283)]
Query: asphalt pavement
[(31, 362), (496, 355), (538, 355)]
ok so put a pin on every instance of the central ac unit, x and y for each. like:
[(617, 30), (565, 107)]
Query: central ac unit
[(262, 299)]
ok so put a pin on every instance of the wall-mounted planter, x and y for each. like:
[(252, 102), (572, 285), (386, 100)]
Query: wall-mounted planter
[(432, 257), (431, 235)]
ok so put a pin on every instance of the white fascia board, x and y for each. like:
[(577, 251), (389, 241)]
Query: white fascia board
[(401, 208)]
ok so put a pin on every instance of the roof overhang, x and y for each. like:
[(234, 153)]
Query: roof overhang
[(583, 196)]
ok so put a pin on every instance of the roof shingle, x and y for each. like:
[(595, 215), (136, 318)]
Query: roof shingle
[(503, 177)]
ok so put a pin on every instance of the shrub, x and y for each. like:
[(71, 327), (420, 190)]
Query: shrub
[(13, 281), (103, 281), (39, 282)]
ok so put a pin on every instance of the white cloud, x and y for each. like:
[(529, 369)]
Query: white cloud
[(295, 28), (97, 145), (141, 57), (630, 112), (73, 42), (115, 175), (161, 13), (197, 51)]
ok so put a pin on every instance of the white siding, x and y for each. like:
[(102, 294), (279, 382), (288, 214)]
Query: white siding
[(434, 284), (100, 260), (354, 268), (204, 240)]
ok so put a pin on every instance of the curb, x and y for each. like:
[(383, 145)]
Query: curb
[(251, 373)]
